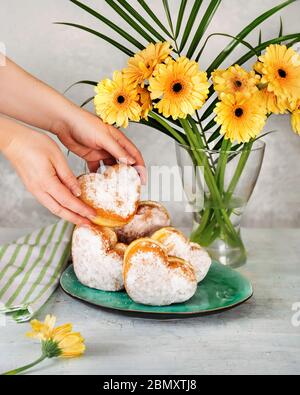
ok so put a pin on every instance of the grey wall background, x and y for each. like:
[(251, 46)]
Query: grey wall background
[(60, 55)]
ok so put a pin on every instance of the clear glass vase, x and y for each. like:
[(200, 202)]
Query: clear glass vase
[(217, 221)]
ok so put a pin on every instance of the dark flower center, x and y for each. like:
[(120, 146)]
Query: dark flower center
[(239, 112), (238, 83), (121, 99), (177, 87), (282, 73)]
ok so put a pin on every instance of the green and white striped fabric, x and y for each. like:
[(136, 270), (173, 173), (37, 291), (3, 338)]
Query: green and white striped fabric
[(30, 269)]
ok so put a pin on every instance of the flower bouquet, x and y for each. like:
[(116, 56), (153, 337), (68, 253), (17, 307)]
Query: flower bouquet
[(215, 116)]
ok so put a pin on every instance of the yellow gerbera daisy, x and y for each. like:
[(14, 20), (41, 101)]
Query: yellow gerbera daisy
[(281, 71), (296, 118), (258, 67), (235, 80), (273, 103), (57, 342), (241, 118), (141, 66), (181, 87), (116, 101), (145, 102)]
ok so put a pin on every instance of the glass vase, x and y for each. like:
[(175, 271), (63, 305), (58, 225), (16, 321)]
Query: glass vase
[(217, 221)]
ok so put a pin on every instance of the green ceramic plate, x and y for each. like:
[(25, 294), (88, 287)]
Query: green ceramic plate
[(222, 289)]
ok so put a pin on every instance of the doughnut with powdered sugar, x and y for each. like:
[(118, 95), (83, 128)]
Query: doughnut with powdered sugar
[(114, 194), (153, 278), (150, 217), (178, 245), (98, 258)]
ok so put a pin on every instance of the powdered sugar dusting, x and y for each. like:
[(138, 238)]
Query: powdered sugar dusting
[(95, 265), (148, 220), (117, 190), (150, 281), (177, 245)]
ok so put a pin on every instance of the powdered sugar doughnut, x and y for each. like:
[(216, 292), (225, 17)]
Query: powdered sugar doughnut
[(178, 245), (150, 217), (153, 278), (97, 258), (114, 194)]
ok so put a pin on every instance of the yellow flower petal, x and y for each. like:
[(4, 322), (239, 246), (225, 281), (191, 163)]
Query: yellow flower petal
[(181, 87), (140, 67), (241, 118), (117, 101), (281, 71), (296, 119), (235, 80), (70, 344)]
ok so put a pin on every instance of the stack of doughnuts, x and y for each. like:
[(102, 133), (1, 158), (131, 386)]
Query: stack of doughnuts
[(131, 244)]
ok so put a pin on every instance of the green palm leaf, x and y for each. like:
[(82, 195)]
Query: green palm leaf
[(207, 18), (87, 101), (168, 14), (140, 19), (190, 23), (180, 17), (295, 37), (154, 17), (214, 136), (85, 82), (239, 41), (113, 26), (281, 27), (106, 38), (260, 37), (131, 22), (244, 33), (156, 125)]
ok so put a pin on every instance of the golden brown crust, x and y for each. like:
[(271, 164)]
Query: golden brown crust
[(184, 266), (150, 203), (163, 233), (147, 245), (120, 249), (149, 217), (143, 245), (105, 217)]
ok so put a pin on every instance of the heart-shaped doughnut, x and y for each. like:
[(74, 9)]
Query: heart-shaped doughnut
[(98, 258), (114, 194), (178, 245), (150, 217), (153, 278)]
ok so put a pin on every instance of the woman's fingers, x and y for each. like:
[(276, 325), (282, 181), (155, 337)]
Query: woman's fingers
[(93, 166), (52, 205), (64, 197), (133, 151), (65, 174), (111, 145)]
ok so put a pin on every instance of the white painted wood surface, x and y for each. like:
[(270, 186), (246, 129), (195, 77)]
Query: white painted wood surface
[(255, 338)]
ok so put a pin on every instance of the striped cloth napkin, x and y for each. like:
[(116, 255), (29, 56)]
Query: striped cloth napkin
[(30, 269)]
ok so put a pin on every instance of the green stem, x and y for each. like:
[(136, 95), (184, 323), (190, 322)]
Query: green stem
[(169, 128), (222, 162), (205, 141), (239, 170), (24, 368), (220, 213)]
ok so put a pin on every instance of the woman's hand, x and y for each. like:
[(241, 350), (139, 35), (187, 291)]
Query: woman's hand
[(88, 137), (45, 173)]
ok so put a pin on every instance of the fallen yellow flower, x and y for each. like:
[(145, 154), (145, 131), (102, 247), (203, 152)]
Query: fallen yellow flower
[(56, 342)]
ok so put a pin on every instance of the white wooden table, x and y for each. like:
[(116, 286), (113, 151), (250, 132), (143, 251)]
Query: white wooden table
[(255, 338)]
